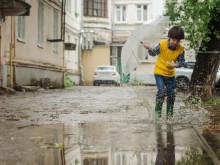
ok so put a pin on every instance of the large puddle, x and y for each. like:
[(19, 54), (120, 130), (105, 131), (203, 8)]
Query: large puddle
[(99, 143)]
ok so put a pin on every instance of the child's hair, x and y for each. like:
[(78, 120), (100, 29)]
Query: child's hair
[(176, 32)]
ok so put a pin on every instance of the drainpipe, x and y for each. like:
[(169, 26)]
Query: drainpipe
[(14, 71), (0, 59), (80, 45), (11, 47), (64, 33)]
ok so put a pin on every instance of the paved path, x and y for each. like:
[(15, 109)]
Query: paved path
[(109, 125)]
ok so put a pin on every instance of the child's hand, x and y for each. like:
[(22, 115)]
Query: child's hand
[(145, 45), (173, 64)]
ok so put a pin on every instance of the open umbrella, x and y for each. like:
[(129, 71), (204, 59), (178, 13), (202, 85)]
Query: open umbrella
[(133, 51)]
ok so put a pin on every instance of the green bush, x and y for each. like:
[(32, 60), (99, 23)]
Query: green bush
[(136, 81)]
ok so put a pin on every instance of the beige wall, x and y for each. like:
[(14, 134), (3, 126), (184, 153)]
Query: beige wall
[(28, 50), (99, 55), (27, 56)]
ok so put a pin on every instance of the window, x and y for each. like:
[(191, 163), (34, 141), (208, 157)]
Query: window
[(144, 159), (76, 9), (40, 23), (97, 8), (55, 29), (120, 13), (141, 13), (21, 27), (119, 158), (68, 6)]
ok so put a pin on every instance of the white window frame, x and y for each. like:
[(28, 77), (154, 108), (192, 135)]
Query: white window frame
[(120, 13), (119, 158), (40, 24), (68, 6), (76, 9), (21, 28), (142, 12), (144, 158)]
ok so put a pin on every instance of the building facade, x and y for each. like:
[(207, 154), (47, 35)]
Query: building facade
[(96, 36), (72, 53), (128, 15), (106, 26), (68, 40), (42, 48)]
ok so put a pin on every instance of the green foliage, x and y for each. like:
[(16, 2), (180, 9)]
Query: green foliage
[(76, 14), (212, 102), (195, 16), (195, 99), (67, 80), (194, 156), (126, 78), (76, 162), (136, 81), (59, 145)]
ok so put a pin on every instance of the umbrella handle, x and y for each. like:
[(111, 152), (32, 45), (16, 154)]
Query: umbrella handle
[(149, 48)]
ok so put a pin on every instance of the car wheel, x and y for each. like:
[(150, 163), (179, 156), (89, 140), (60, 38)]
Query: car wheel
[(218, 84), (182, 83), (95, 83), (116, 84)]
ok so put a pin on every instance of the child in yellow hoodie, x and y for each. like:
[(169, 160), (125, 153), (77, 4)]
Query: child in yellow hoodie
[(170, 55)]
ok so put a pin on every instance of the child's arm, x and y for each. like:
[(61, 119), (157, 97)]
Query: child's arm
[(179, 63), (152, 51), (181, 60)]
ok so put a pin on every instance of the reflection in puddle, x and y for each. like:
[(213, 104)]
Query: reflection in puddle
[(99, 143), (165, 147), (122, 144)]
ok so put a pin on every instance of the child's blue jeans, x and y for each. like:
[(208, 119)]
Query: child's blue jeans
[(165, 87)]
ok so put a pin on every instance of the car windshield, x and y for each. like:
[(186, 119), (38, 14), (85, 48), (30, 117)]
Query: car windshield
[(105, 68)]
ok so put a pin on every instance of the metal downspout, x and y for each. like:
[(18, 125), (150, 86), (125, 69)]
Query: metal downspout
[(80, 45), (14, 70), (11, 47), (0, 58), (63, 23)]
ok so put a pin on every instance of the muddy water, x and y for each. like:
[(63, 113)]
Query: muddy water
[(95, 126), (101, 143), (30, 145)]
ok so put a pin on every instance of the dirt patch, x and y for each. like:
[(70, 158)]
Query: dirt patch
[(214, 126)]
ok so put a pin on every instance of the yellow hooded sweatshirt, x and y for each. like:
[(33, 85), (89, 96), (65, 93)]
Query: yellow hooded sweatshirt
[(166, 55)]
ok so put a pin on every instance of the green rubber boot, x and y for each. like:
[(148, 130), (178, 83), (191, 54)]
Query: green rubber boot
[(158, 109), (170, 111)]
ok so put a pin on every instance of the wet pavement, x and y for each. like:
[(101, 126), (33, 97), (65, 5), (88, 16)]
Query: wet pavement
[(98, 126), (102, 143)]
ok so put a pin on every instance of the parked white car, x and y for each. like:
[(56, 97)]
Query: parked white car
[(183, 76), (106, 74)]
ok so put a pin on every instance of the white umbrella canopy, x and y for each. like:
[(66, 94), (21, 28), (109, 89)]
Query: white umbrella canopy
[(132, 51)]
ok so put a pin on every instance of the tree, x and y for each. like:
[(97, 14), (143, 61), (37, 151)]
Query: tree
[(201, 21)]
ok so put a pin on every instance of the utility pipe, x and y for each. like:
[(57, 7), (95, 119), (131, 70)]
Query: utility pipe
[(0, 59), (14, 71), (11, 47), (63, 25)]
